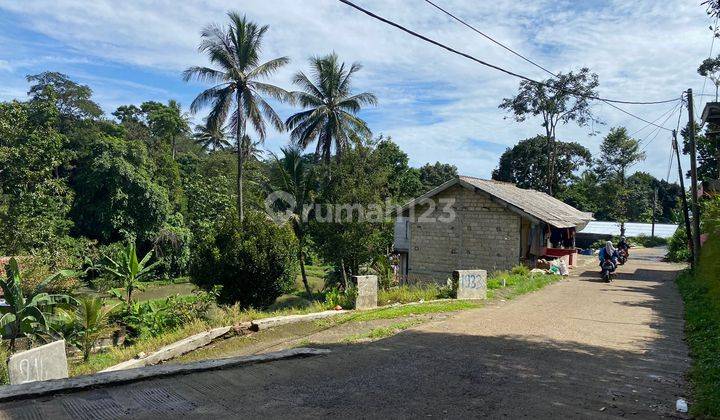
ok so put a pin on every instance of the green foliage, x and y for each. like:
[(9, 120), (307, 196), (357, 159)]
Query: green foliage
[(254, 261), (710, 220), (678, 248), (116, 198), (404, 183), (329, 107), (34, 200), (71, 99), (350, 241), (26, 314), (526, 163), (172, 247), (414, 293), (618, 152), (208, 202), (84, 325), (238, 85), (436, 174), (648, 241), (553, 102), (156, 317), (4, 372), (129, 270), (295, 176), (701, 294), (345, 298)]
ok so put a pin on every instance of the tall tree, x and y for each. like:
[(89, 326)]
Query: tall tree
[(71, 99), (330, 115), (293, 175), (168, 122), (237, 93), (618, 152), (403, 181), (556, 101), (526, 165), (433, 175)]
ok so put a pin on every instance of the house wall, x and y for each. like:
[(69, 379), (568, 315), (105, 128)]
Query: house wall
[(483, 235)]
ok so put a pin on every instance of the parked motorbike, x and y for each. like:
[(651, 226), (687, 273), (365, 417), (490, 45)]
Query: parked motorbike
[(608, 270), (622, 256)]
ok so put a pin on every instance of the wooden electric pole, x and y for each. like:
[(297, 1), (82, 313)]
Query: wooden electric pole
[(652, 232), (686, 212), (693, 180)]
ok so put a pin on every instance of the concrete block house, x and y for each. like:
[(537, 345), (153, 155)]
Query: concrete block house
[(470, 223)]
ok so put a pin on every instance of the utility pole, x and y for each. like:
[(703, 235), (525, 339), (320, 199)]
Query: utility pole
[(693, 180), (681, 177), (652, 232)]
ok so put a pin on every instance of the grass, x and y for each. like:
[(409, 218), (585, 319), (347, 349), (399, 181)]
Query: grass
[(701, 294), (316, 278), (407, 294), (401, 311), (510, 284)]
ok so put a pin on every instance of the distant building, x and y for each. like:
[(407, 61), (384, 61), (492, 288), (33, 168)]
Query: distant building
[(597, 230), (472, 223)]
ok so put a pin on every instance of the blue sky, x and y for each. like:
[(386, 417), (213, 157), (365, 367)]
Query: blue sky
[(435, 105)]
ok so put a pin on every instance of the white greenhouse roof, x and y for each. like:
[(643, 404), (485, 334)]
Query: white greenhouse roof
[(631, 229)]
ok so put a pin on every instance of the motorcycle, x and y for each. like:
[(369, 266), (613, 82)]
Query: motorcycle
[(622, 256), (608, 269)]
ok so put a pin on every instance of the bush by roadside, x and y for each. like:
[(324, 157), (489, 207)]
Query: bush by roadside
[(701, 294)]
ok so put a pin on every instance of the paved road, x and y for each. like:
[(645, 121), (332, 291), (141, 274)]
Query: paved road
[(576, 348)]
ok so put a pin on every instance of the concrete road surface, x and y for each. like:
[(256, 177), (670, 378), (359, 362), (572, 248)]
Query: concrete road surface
[(579, 348)]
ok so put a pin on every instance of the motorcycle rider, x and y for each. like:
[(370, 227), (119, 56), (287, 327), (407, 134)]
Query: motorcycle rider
[(608, 252), (623, 245)]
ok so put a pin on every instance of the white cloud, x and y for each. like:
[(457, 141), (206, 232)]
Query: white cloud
[(431, 102)]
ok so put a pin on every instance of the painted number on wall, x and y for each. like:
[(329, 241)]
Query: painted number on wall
[(472, 281)]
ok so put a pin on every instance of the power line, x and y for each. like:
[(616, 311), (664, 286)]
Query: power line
[(657, 131), (491, 38), (493, 66), (671, 110), (534, 63)]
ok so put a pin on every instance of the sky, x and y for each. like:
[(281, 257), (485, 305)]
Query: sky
[(437, 106)]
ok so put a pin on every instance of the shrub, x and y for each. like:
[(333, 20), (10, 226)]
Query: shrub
[(254, 261), (4, 355), (343, 298), (678, 249), (155, 317), (414, 293), (648, 241)]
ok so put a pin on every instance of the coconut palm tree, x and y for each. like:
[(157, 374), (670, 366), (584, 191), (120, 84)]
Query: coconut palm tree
[(330, 108), (238, 86), (293, 175), (210, 138)]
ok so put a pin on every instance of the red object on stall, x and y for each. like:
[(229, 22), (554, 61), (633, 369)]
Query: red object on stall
[(561, 252)]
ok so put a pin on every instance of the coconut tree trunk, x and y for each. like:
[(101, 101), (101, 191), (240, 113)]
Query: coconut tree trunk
[(173, 147), (241, 157)]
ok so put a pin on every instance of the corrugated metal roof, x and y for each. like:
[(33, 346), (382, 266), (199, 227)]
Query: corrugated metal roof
[(631, 229), (535, 203)]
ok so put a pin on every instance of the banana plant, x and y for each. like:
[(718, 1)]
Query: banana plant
[(25, 315), (84, 325), (129, 270)]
